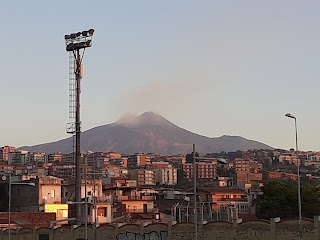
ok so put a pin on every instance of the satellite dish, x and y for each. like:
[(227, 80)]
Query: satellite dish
[(4, 178)]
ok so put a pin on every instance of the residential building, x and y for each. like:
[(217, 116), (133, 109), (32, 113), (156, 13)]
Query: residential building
[(38, 158), (224, 182), (144, 177), (138, 160), (165, 173), (68, 158), (242, 165), (4, 152), (62, 171), (30, 171), (49, 190), (289, 158), (113, 155), (248, 177), (222, 198), (206, 170), (19, 158), (55, 157)]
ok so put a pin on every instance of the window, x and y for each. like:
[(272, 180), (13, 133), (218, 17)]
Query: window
[(52, 193)]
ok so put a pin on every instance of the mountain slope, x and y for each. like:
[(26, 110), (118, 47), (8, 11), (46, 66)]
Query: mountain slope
[(148, 132)]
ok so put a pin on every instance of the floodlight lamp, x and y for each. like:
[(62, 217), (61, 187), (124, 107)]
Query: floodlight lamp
[(91, 31), (85, 33), (88, 43), (66, 37), (290, 115), (70, 47), (73, 35)]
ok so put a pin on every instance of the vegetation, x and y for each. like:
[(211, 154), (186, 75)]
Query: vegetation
[(183, 182), (280, 199)]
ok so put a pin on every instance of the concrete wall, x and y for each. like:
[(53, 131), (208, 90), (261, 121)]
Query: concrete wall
[(257, 230)]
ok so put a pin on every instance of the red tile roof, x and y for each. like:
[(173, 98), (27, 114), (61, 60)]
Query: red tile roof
[(28, 220)]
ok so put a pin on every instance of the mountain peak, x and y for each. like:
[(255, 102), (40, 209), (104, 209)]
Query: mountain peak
[(147, 118), (148, 132)]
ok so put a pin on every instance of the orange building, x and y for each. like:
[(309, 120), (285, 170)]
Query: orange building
[(221, 198)]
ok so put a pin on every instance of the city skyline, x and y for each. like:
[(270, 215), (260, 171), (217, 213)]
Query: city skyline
[(213, 68)]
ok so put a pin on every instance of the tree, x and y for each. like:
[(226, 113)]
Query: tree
[(280, 199), (183, 182), (189, 157)]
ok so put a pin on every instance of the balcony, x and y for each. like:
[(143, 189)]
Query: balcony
[(230, 200), (136, 198)]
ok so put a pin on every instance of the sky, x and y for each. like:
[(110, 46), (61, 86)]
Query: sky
[(212, 67)]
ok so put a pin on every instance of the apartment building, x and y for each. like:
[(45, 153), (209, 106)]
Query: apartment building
[(288, 158), (55, 157), (38, 158), (30, 171), (138, 160), (113, 155), (205, 170), (165, 173), (68, 158), (241, 165), (96, 160), (19, 157), (4, 152), (122, 162), (144, 177), (62, 171)]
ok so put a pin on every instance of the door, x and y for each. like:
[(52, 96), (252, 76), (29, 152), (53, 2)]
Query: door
[(145, 208)]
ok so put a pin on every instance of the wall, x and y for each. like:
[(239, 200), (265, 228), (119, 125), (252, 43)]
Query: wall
[(257, 230)]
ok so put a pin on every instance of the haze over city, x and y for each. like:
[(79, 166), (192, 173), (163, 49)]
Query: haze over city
[(214, 68)]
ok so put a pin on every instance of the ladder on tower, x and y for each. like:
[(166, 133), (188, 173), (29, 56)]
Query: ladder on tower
[(72, 86), (71, 127)]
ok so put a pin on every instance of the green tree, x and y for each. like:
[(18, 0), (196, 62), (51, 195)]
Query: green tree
[(189, 157), (183, 182), (280, 199)]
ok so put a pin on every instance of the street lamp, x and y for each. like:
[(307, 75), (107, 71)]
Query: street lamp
[(298, 173), (9, 201)]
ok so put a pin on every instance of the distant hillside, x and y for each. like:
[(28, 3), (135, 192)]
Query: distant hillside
[(148, 132)]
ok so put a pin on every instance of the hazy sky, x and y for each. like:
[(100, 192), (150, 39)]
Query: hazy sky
[(212, 67)]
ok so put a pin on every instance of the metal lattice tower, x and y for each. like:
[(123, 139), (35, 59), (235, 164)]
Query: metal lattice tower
[(76, 43)]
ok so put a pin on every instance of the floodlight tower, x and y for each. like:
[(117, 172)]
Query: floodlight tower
[(76, 44)]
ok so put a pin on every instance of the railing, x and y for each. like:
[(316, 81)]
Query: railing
[(147, 198)]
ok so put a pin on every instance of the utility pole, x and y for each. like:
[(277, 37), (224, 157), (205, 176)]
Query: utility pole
[(195, 192)]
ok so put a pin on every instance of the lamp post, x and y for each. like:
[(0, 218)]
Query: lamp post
[(9, 201), (298, 173), (195, 192)]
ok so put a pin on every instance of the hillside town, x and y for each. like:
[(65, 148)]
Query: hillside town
[(142, 187)]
